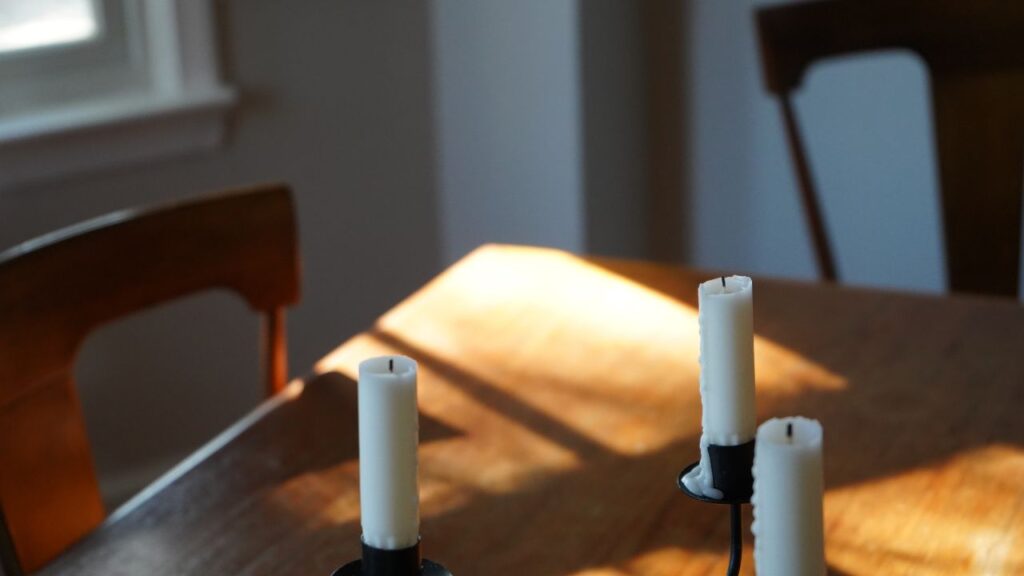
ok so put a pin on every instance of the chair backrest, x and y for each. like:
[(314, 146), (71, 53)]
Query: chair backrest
[(974, 52), (56, 289)]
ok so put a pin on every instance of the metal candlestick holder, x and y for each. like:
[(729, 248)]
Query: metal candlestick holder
[(732, 474), (401, 562)]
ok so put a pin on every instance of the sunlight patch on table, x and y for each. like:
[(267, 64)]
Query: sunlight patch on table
[(618, 359), (969, 531), (345, 359), (495, 454), (493, 466)]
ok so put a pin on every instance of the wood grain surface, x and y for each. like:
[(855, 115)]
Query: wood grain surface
[(559, 399)]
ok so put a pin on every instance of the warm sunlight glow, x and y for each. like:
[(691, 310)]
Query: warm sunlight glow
[(515, 455), (507, 315), (568, 389), (505, 342), (972, 532)]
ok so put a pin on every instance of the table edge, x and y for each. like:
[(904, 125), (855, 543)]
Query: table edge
[(222, 439)]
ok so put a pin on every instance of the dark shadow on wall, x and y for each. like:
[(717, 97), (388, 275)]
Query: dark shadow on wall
[(632, 73), (665, 23)]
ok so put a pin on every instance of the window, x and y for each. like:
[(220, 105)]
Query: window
[(90, 83), (25, 25)]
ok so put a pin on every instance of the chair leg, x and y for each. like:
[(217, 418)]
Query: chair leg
[(812, 211), (275, 352)]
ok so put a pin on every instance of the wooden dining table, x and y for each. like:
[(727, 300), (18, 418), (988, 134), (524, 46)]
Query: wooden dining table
[(559, 400)]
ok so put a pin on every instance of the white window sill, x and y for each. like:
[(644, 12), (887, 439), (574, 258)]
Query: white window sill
[(111, 132)]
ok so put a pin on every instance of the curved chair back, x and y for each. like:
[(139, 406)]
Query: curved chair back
[(974, 52), (56, 289)]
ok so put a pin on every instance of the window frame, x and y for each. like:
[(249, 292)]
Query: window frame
[(165, 96), (50, 76)]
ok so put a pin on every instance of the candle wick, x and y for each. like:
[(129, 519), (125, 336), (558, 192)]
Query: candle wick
[(723, 281), (789, 431), (391, 365)]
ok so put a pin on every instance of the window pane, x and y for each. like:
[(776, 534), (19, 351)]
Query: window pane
[(36, 23)]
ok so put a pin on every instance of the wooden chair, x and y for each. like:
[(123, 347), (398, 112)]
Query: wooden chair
[(974, 51), (56, 289)]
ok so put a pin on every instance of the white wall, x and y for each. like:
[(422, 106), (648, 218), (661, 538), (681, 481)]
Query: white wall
[(508, 118), (336, 100), (867, 126)]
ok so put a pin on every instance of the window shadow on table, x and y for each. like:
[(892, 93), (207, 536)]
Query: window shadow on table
[(329, 408), (612, 511), (926, 378), (920, 386), (914, 385)]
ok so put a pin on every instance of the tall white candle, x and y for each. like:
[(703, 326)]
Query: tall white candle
[(726, 320), (788, 485), (388, 440)]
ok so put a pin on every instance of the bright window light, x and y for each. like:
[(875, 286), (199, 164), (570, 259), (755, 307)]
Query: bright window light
[(26, 24)]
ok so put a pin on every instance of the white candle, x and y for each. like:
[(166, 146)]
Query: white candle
[(726, 320), (788, 485), (388, 440)]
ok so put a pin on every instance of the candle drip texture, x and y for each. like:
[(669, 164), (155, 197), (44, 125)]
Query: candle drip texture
[(726, 372), (788, 524)]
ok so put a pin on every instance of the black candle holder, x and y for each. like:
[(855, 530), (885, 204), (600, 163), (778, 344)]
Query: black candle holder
[(401, 562), (732, 470)]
